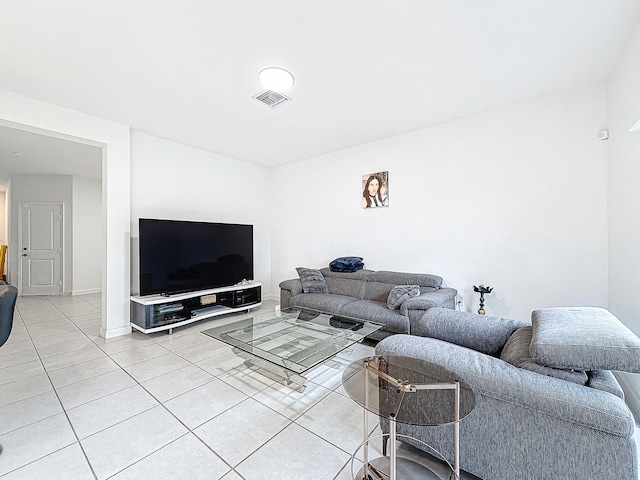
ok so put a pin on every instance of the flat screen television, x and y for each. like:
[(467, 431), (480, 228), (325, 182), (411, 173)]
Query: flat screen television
[(179, 256)]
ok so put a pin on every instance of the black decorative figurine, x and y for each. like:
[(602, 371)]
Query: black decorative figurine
[(482, 290)]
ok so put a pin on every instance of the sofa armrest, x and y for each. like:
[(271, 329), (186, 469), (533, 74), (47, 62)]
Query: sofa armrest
[(494, 378), (288, 289), (443, 297), (483, 333)]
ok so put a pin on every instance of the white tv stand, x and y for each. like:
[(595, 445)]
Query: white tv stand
[(156, 313)]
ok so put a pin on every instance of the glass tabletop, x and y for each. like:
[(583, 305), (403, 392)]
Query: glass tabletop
[(372, 383), (294, 338)]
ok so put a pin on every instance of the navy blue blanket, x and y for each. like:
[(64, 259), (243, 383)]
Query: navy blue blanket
[(346, 264)]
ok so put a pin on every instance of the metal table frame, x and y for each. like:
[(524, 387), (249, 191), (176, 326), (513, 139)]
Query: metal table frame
[(404, 387)]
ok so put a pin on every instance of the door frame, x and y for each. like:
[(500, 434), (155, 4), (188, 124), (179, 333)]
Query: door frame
[(62, 240), (114, 139)]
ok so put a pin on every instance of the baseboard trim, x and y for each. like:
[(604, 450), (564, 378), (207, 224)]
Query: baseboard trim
[(115, 332), (87, 291)]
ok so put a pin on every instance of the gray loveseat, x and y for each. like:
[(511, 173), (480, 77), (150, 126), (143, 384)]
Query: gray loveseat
[(364, 294), (547, 405)]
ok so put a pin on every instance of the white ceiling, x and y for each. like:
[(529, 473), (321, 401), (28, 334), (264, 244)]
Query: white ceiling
[(186, 70), (25, 152)]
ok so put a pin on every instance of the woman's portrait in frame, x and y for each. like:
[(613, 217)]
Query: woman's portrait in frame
[(375, 190)]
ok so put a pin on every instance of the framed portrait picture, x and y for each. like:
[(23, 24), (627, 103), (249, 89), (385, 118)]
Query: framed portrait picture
[(375, 190)]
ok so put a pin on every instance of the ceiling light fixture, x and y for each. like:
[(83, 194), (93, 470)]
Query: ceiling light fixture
[(275, 78)]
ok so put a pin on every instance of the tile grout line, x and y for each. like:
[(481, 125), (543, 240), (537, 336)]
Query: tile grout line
[(64, 410), (189, 430)]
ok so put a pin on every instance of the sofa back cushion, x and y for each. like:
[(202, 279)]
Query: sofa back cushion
[(379, 284), (346, 284), (479, 332), (605, 381), (377, 291), (516, 352), (583, 338), (402, 278)]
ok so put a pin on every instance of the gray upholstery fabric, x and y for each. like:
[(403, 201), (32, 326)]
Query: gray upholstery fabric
[(585, 338), (294, 286), (312, 280), (516, 352), (377, 291), (344, 283), (346, 288), (479, 332), (400, 294), (402, 278), (289, 289), (604, 380), (525, 426), (359, 275), (443, 297), (321, 302), (378, 312), (8, 297)]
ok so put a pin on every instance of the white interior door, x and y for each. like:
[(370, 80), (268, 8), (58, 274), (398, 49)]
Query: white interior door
[(41, 249)]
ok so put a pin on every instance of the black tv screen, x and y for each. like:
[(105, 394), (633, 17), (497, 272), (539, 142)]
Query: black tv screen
[(180, 256)]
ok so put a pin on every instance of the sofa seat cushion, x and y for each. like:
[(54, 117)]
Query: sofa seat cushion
[(378, 312), (322, 302), (516, 352), (583, 338)]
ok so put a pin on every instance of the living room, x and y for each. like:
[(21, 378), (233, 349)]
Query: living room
[(523, 197)]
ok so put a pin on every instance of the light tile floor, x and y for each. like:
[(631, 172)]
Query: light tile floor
[(76, 406)]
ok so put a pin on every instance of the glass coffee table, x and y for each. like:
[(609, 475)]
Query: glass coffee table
[(410, 391), (293, 340)]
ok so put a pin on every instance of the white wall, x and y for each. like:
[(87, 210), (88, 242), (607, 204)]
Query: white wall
[(29, 114), (514, 198), (3, 220), (46, 189), (174, 181), (623, 95), (3, 227), (88, 238)]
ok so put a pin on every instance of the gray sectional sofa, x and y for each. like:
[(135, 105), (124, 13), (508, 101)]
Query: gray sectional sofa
[(547, 405), (365, 294)]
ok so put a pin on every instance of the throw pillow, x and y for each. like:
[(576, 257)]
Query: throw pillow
[(312, 280), (516, 352), (398, 295), (583, 338)]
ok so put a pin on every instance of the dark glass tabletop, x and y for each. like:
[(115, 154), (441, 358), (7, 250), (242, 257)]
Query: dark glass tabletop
[(425, 395)]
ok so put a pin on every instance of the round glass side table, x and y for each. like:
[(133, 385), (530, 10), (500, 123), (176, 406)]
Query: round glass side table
[(411, 391)]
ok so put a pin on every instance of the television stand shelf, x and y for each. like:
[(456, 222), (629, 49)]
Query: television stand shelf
[(157, 313)]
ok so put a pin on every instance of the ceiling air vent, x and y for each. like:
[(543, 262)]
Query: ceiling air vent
[(272, 99)]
